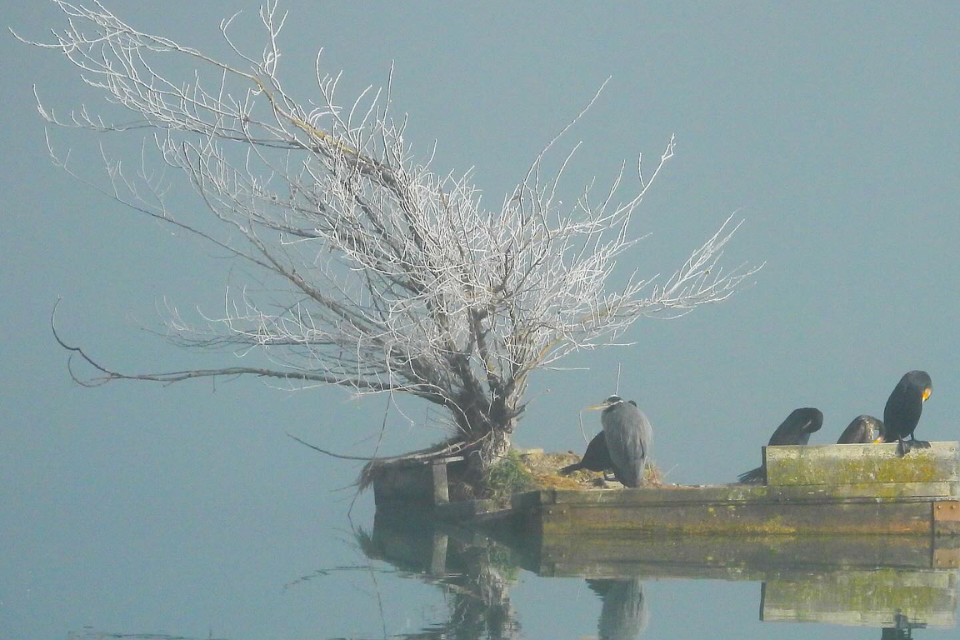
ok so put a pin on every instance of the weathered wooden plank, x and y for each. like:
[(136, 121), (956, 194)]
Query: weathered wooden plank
[(861, 464), (947, 511), (411, 485), (728, 557), (466, 510), (740, 493), (863, 598), (946, 552), (531, 499), (757, 518), (946, 518), (662, 495), (414, 482)]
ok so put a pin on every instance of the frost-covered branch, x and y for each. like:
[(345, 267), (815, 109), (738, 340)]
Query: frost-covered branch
[(377, 273)]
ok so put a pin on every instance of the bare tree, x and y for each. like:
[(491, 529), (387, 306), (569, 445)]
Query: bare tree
[(380, 274)]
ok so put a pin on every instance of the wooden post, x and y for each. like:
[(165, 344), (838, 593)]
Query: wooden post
[(413, 483), (441, 490)]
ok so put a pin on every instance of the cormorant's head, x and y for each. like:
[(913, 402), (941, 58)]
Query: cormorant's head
[(920, 380), (809, 419), (881, 432), (612, 401)]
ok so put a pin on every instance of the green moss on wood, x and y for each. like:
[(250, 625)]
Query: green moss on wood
[(864, 597), (860, 464)]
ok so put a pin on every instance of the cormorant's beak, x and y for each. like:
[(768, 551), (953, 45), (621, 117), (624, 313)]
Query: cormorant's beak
[(597, 407), (879, 440), (926, 393)]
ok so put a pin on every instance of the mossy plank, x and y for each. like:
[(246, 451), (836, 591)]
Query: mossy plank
[(727, 557), (531, 499), (742, 509), (662, 495), (835, 465), (738, 493), (467, 510), (863, 598)]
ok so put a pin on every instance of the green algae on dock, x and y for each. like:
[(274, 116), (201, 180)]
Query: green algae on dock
[(861, 464), (826, 489), (821, 489)]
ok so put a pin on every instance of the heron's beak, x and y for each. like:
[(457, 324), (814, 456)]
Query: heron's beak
[(597, 407), (879, 440), (926, 393)]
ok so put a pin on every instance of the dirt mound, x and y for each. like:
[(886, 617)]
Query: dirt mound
[(545, 468)]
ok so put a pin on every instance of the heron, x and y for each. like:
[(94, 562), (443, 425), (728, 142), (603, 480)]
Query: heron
[(863, 429), (902, 411), (596, 457), (796, 429), (629, 437)]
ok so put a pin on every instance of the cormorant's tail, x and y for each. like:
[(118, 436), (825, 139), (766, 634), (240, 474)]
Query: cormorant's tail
[(754, 476), (570, 469)]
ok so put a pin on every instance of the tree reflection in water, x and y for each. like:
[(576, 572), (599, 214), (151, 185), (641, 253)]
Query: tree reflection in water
[(474, 573)]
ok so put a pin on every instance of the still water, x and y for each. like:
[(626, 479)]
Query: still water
[(407, 577), (496, 586)]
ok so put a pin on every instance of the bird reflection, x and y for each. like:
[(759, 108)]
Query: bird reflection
[(902, 629), (624, 614)]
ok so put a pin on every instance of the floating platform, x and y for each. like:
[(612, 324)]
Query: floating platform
[(809, 490)]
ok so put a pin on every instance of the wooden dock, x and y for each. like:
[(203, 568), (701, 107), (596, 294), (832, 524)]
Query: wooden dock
[(821, 489)]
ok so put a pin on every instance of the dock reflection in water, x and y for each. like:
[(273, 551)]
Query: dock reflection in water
[(898, 584)]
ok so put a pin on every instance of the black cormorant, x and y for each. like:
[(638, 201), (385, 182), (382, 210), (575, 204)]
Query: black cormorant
[(902, 412), (796, 429), (596, 458), (863, 430)]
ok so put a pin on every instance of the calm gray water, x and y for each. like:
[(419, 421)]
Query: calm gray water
[(275, 571)]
